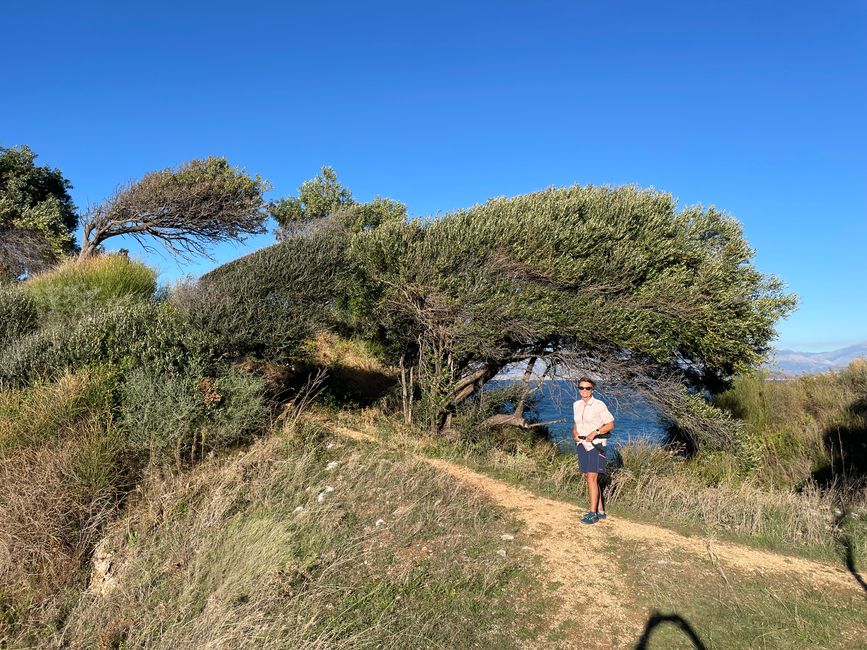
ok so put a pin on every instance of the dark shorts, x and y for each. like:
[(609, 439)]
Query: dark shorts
[(593, 460)]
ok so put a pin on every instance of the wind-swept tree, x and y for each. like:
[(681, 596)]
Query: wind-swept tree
[(614, 280), (187, 209), (37, 215)]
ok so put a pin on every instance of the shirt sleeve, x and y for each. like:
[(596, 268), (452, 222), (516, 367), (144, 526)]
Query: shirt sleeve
[(605, 414)]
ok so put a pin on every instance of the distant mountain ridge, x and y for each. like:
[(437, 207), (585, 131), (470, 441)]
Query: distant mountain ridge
[(784, 363), (792, 362)]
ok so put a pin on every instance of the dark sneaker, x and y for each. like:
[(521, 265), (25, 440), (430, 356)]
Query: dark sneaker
[(589, 518), (600, 516)]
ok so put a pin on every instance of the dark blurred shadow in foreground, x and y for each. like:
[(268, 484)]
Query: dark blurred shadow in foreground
[(657, 619)]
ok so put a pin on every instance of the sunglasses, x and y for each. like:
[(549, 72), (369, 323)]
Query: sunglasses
[(585, 388)]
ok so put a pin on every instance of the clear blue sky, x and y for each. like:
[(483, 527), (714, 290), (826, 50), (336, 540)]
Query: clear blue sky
[(755, 107)]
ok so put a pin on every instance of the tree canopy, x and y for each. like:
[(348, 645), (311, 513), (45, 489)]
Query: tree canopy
[(611, 278), (37, 215), (324, 199), (186, 209)]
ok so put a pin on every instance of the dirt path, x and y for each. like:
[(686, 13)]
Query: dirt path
[(562, 541)]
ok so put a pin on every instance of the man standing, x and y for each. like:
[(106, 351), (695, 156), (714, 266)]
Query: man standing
[(593, 425)]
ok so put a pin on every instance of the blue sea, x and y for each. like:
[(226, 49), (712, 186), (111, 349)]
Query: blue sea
[(634, 417)]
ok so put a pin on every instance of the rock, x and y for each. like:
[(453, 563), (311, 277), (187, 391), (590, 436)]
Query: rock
[(102, 581), (328, 490)]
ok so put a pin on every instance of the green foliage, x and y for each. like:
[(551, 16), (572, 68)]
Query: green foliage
[(18, 315), (268, 303), (588, 269), (366, 216), (140, 335), (470, 418), (799, 425), (322, 197), (81, 287), (35, 200), (184, 417)]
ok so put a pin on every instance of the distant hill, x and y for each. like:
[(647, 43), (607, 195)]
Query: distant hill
[(791, 362)]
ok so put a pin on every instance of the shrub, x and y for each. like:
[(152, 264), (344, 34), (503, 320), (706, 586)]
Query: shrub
[(854, 376), (268, 303), (789, 422), (183, 417), (142, 335), (18, 314), (79, 287)]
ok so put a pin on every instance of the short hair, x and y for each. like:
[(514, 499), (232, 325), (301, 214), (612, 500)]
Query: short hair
[(588, 380)]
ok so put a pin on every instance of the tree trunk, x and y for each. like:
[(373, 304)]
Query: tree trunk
[(528, 373), (88, 249)]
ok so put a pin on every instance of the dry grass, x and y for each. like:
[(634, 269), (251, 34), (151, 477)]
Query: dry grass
[(659, 483), (255, 551), (329, 350), (728, 607), (55, 501), (49, 411)]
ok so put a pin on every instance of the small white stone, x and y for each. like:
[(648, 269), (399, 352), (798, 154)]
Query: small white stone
[(329, 445), (379, 522), (506, 537), (502, 552), (662, 561), (330, 466), (328, 489), (298, 509)]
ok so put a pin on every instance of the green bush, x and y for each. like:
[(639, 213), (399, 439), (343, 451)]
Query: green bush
[(79, 287), (789, 422), (184, 417), (268, 303), (143, 335), (18, 314)]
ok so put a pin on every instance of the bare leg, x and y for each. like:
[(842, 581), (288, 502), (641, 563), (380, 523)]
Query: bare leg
[(593, 490)]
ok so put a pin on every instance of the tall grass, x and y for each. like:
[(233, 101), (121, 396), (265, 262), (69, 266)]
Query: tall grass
[(77, 287), (794, 423), (63, 476), (47, 411)]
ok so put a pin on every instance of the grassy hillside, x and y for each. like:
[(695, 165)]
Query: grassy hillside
[(313, 546), (159, 489)]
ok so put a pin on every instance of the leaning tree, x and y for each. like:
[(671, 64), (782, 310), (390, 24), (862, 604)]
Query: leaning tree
[(612, 280), (200, 203)]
